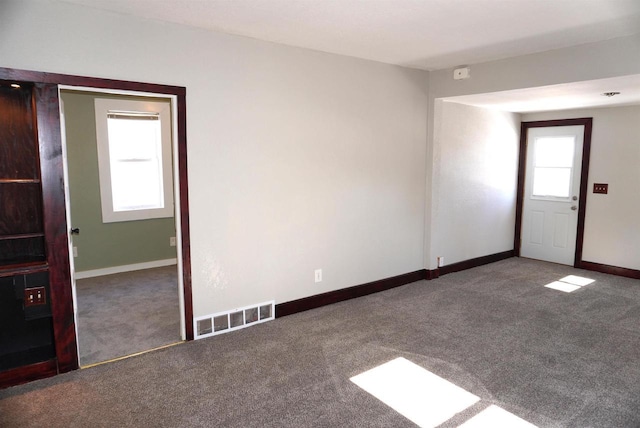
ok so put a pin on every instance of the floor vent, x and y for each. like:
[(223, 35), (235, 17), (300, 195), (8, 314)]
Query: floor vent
[(223, 322)]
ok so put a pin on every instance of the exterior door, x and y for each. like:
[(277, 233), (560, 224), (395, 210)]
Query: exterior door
[(552, 193)]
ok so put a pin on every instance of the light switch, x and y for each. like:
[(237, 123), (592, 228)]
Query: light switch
[(600, 188)]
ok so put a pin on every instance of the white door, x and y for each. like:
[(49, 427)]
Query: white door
[(551, 194), (72, 270)]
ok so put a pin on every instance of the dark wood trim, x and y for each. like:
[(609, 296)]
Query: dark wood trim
[(89, 82), (587, 122), (48, 116), (312, 302), (478, 261), (55, 224), (613, 270), (584, 182), (522, 166), (28, 373), (23, 268), (184, 213)]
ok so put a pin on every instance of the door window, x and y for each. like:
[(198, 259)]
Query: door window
[(553, 165)]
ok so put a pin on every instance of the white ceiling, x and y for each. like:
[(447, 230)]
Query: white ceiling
[(425, 34), (560, 97)]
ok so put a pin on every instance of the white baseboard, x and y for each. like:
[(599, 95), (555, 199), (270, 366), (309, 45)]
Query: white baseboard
[(124, 268)]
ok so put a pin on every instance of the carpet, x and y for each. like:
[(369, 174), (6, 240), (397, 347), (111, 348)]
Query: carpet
[(551, 358), (125, 313)]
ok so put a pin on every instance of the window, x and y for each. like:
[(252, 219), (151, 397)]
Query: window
[(134, 159), (553, 165)]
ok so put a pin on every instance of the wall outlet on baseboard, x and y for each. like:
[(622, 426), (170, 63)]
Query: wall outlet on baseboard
[(318, 275), (440, 261), (172, 241)]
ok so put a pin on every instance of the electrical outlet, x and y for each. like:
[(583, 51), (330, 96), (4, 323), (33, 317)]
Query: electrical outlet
[(318, 275), (75, 251), (172, 241), (440, 261)]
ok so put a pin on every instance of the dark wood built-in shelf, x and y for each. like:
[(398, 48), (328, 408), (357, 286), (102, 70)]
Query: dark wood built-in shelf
[(24, 267), (27, 340), (21, 236), (20, 180)]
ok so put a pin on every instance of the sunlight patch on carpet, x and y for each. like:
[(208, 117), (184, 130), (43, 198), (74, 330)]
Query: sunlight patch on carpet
[(419, 395), (570, 283), (563, 286), (494, 416), (577, 280)]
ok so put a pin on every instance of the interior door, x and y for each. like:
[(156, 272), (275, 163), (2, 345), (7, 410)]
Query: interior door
[(551, 193), (63, 134)]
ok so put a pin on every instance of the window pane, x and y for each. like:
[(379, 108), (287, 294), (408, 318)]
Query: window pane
[(552, 182), (136, 185), (554, 151), (135, 152), (133, 139)]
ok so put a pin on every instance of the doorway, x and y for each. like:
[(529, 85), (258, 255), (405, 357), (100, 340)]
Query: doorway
[(552, 190), (124, 257), (46, 87)]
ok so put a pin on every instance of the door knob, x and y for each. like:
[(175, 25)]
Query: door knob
[(573, 208), (75, 231)]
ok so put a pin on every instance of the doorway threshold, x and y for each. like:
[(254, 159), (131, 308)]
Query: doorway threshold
[(124, 357)]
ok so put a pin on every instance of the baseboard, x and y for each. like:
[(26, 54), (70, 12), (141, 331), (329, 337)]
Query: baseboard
[(25, 374), (312, 302), (471, 263), (613, 270), (124, 268)]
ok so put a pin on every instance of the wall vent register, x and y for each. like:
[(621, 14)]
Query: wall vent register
[(224, 322)]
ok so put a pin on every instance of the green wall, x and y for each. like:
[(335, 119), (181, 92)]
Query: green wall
[(102, 245)]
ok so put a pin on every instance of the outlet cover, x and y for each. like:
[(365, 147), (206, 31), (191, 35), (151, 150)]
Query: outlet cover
[(35, 296), (172, 241), (318, 275), (440, 261), (602, 188)]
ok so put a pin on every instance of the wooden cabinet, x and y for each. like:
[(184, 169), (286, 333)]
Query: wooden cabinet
[(26, 328), (21, 225)]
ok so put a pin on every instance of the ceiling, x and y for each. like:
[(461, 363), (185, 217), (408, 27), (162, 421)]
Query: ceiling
[(560, 97), (424, 34)]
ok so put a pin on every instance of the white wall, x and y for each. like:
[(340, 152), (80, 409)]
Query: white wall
[(475, 174), (612, 221), (297, 159), (611, 58)]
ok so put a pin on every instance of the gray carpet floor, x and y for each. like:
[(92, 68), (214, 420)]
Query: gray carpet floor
[(126, 313), (554, 359)]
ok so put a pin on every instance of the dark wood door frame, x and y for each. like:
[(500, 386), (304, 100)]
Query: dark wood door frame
[(56, 234), (584, 178)]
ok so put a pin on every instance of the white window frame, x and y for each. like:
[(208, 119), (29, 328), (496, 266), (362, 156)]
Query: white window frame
[(103, 106)]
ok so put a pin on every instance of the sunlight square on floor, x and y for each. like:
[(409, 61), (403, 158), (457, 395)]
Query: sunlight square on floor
[(577, 280), (419, 395), (495, 416), (563, 286), (570, 283)]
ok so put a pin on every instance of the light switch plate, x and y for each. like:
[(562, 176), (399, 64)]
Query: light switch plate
[(600, 188)]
